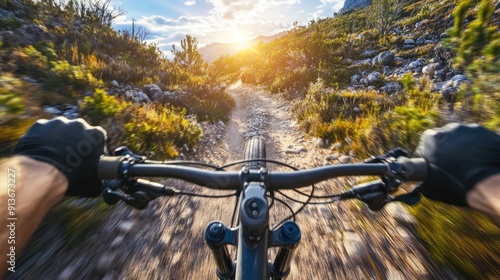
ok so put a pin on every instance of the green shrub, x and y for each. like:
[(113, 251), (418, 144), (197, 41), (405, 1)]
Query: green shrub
[(13, 126), (459, 239), (478, 53), (11, 105), (31, 62), (158, 131), (334, 115), (479, 33), (74, 76), (401, 127), (210, 103), (101, 106)]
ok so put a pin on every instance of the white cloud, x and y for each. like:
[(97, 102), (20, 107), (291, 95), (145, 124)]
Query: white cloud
[(190, 2), (229, 9), (317, 14)]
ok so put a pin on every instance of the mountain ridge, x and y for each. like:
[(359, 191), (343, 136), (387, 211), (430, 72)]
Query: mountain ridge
[(215, 50)]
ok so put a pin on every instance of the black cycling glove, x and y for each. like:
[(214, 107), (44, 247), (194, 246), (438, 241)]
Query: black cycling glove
[(74, 147), (459, 156)]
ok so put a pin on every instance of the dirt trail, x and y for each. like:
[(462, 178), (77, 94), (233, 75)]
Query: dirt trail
[(340, 241), (166, 241)]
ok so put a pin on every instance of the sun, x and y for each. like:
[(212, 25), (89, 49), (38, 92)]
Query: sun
[(240, 39)]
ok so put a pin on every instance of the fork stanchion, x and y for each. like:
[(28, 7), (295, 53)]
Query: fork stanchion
[(217, 237), (287, 237)]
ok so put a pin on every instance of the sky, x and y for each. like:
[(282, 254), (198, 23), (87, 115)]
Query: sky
[(222, 21)]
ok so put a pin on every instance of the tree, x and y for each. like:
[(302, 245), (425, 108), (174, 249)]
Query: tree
[(136, 33), (383, 13), (188, 56)]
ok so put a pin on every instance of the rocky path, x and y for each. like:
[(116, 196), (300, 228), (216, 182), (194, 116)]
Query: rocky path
[(165, 241)]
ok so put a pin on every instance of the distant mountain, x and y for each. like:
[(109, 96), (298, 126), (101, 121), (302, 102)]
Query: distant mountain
[(354, 4), (213, 51)]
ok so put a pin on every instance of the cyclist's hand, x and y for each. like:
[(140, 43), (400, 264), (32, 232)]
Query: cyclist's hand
[(74, 147), (459, 157)]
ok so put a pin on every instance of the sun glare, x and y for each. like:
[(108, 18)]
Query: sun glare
[(240, 40)]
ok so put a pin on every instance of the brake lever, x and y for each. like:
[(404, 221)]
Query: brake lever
[(374, 195), (125, 151), (136, 192), (395, 177), (394, 153)]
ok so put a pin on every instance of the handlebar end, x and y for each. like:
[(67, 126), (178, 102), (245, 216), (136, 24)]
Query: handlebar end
[(414, 169), (108, 167)]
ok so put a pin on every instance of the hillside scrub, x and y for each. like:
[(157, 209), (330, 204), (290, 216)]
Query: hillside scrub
[(71, 49), (158, 132), (477, 47)]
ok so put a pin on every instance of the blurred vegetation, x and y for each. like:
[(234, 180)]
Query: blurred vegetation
[(158, 131), (12, 109), (101, 106), (464, 241), (75, 54), (62, 53), (477, 48)]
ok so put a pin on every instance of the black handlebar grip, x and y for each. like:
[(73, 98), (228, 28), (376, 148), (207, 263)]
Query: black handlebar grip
[(414, 169), (108, 167)]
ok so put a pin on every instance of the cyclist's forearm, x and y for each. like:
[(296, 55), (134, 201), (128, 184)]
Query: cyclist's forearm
[(29, 188), (485, 197)]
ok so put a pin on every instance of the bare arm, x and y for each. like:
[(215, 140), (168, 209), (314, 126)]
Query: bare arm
[(31, 188), (485, 198)]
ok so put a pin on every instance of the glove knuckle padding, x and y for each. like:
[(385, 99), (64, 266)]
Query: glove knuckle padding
[(72, 146), (459, 156)]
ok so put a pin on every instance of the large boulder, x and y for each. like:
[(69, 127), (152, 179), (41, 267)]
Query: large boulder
[(409, 44), (355, 79), (385, 58), (450, 88), (373, 78), (391, 88), (430, 69), (417, 64), (420, 41), (137, 96), (154, 92)]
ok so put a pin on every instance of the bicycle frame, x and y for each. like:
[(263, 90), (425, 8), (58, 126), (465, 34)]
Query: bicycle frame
[(253, 238)]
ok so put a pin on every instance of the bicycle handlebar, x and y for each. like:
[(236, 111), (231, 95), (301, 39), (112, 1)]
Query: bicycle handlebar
[(405, 169)]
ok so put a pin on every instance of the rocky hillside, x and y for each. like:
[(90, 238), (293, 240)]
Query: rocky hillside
[(354, 4), (58, 58), (368, 82)]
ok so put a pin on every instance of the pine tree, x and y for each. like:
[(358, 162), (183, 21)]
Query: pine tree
[(188, 57)]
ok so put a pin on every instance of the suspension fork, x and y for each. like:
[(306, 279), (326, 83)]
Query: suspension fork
[(287, 238), (253, 238), (218, 236)]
